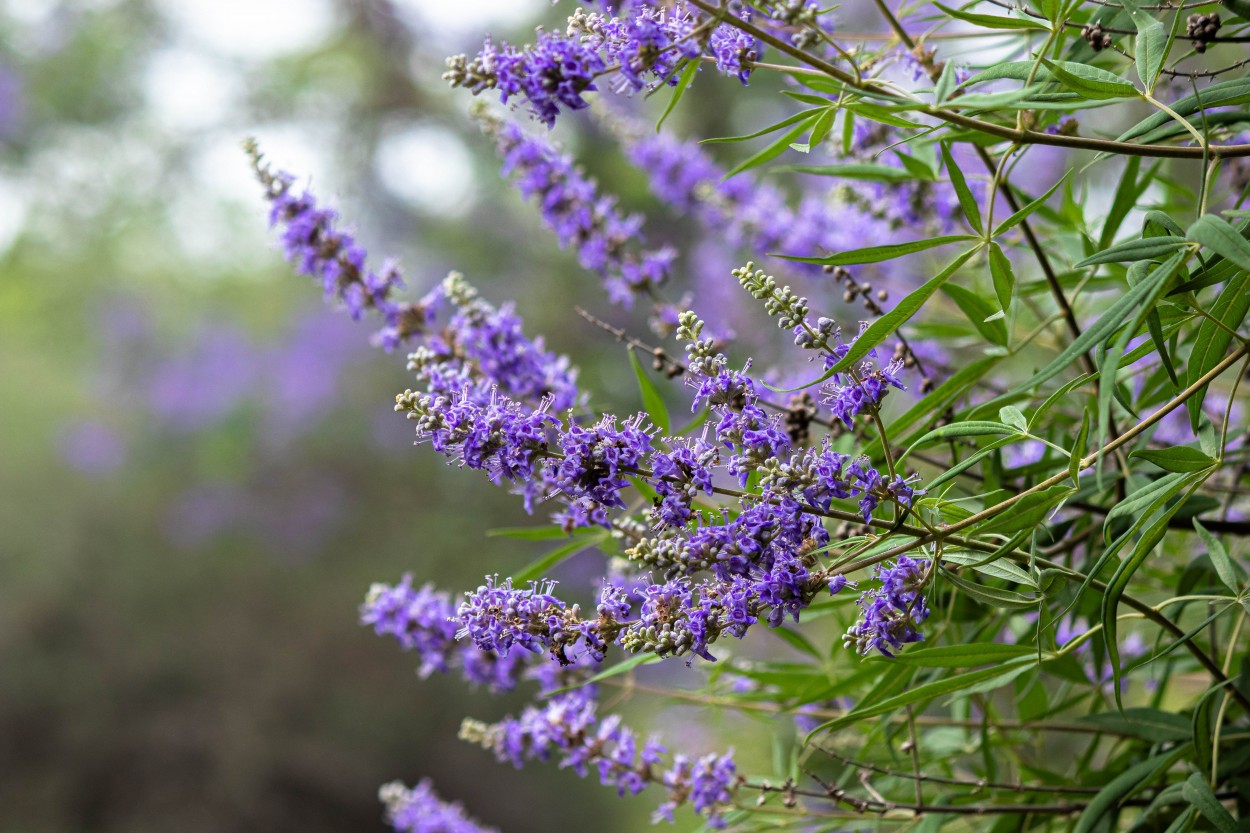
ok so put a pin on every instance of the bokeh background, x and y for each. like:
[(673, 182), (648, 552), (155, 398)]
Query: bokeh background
[(200, 471)]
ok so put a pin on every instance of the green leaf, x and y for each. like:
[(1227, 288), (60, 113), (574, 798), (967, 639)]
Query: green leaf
[(993, 21), (1177, 458), (1015, 219), (535, 533), (999, 568), (1147, 724), (972, 428), (946, 685), (881, 329), (1127, 195), (967, 201), (992, 596), (968, 462), (804, 115), (944, 83), (1119, 583), (1090, 82), (1144, 501), (1228, 570), (683, 83), (879, 114), (774, 150), (541, 566), (1210, 343), (936, 400), (1131, 251), (979, 312), (652, 402), (1093, 336), (1124, 785), (964, 656), (796, 640), (622, 667), (876, 254), (1240, 8), (1003, 275), (868, 171), (1078, 449), (1151, 45), (1011, 71), (1027, 512), (1198, 794), (1220, 94), (1014, 417), (1218, 235), (1154, 326)]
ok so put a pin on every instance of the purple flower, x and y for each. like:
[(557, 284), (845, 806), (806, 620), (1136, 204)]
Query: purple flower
[(566, 728), (420, 810), (420, 620), (550, 74), (891, 614), (606, 241), (315, 244)]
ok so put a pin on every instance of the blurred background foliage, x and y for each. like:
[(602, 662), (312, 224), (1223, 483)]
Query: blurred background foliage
[(200, 471)]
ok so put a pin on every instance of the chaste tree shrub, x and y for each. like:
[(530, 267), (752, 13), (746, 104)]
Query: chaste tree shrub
[(1016, 487)]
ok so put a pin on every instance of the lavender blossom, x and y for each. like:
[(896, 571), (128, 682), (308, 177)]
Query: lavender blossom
[(607, 242), (422, 620), (420, 810), (313, 242), (891, 614), (567, 727), (550, 74)]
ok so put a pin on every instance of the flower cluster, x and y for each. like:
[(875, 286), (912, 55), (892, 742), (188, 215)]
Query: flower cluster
[(422, 620), (420, 810), (568, 727), (491, 341), (645, 46), (313, 242), (891, 614), (552, 73), (498, 617), (606, 241)]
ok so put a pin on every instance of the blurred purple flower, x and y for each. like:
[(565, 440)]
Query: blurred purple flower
[(92, 448)]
